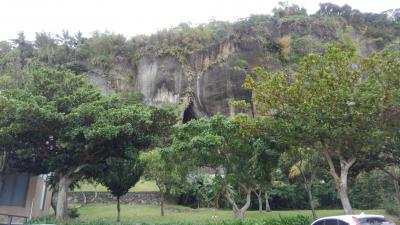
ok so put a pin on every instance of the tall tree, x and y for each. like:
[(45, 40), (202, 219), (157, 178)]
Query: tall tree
[(45, 47), (218, 143), (386, 64), (60, 123), (331, 102), (24, 49)]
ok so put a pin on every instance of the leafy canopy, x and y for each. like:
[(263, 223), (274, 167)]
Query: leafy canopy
[(60, 123), (218, 143), (333, 99)]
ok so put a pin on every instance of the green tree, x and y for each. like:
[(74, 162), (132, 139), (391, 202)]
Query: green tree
[(46, 47), (305, 163), (24, 49), (120, 174), (330, 103), (386, 64), (389, 163), (57, 122), (218, 143), (365, 183), (159, 167)]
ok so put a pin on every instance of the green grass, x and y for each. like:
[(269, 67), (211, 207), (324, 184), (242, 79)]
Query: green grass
[(141, 186), (150, 214)]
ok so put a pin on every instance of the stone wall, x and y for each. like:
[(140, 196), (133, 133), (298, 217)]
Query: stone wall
[(152, 198)]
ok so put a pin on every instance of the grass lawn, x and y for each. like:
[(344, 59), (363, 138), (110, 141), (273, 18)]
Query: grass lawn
[(141, 186), (179, 214)]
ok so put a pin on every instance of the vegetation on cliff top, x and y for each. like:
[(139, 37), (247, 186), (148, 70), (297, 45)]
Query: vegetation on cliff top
[(289, 32)]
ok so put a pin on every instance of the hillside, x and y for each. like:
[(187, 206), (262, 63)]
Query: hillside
[(201, 68)]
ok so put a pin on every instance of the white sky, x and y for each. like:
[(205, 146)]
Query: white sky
[(132, 17)]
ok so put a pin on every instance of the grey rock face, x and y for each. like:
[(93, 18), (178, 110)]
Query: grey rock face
[(203, 83), (160, 80), (216, 87), (202, 87)]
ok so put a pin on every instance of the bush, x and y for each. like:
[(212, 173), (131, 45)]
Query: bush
[(241, 63), (285, 45), (287, 196), (306, 44), (43, 220), (73, 213), (292, 220), (391, 208), (271, 46), (370, 182)]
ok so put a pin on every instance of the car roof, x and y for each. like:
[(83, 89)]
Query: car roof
[(349, 218)]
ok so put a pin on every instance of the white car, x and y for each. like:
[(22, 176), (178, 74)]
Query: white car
[(361, 219)]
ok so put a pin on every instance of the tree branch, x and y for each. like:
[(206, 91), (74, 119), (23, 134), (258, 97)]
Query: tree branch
[(331, 165), (230, 200)]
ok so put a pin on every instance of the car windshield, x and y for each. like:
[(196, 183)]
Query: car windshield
[(374, 221)]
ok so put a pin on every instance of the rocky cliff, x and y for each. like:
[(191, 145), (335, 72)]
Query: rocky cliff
[(201, 82), (200, 69)]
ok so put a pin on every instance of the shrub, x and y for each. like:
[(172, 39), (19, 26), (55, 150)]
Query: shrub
[(391, 208), (292, 220), (73, 213), (43, 220), (285, 44), (365, 183), (306, 44), (271, 46), (241, 63)]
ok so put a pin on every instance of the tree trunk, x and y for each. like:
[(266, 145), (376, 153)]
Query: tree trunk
[(267, 206), (162, 203), (394, 175), (341, 181), (84, 196), (239, 215), (217, 201), (53, 201), (118, 210), (239, 212), (62, 202), (95, 193), (397, 191), (1, 181), (3, 167), (307, 186), (310, 199), (260, 202), (344, 198)]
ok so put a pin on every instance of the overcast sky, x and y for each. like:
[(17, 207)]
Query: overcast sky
[(132, 17)]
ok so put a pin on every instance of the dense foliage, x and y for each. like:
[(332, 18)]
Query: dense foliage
[(240, 163), (332, 98), (327, 104), (57, 122), (298, 35), (290, 220), (120, 174)]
